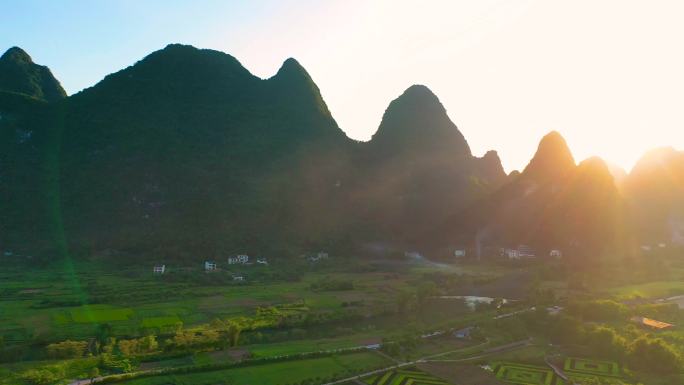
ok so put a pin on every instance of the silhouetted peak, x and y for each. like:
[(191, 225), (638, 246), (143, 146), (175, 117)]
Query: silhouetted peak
[(419, 91), (417, 119), (19, 74), (16, 54), (492, 155), (490, 167), (187, 59), (657, 157), (594, 163), (291, 67), (552, 159)]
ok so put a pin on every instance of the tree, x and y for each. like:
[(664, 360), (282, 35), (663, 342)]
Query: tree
[(606, 342), (148, 343), (654, 355), (67, 349), (94, 373)]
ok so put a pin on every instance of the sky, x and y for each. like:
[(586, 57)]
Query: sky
[(608, 75)]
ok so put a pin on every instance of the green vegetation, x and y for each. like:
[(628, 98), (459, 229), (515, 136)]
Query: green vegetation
[(524, 374), (305, 371), (404, 376)]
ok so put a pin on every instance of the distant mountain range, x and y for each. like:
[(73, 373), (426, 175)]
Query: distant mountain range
[(187, 153)]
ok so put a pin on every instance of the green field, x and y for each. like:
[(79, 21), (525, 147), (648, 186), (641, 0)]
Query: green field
[(404, 377), (158, 322), (273, 374), (525, 374), (658, 289), (575, 368), (100, 314), (600, 368)]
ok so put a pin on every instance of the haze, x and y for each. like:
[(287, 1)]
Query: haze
[(605, 74)]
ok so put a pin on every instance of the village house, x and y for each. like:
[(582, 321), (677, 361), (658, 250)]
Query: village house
[(238, 278), (526, 251), (262, 261), (159, 269), (459, 253), (522, 251), (317, 256), (464, 333), (413, 254), (238, 259), (210, 266), (553, 310), (555, 253), (510, 253)]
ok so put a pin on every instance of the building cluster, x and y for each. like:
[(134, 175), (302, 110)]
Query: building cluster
[(210, 265), (315, 257), (517, 252)]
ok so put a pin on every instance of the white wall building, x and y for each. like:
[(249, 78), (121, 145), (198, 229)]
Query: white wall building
[(210, 266), (159, 269), (238, 259)]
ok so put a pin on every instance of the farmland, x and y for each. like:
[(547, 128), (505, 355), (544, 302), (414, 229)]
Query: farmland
[(302, 323)]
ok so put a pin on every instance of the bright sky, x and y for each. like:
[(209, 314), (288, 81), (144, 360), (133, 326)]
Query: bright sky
[(607, 74)]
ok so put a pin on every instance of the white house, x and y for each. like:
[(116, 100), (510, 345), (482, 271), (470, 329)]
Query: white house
[(646, 248), (238, 259), (459, 253), (262, 261), (159, 269), (526, 251), (317, 256), (238, 278), (464, 333), (210, 266), (511, 253), (413, 254), (555, 253)]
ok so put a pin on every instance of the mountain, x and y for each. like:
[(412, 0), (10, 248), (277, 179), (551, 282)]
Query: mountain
[(655, 192), (187, 152), (25, 117), (553, 203), (418, 169), (19, 74), (552, 161)]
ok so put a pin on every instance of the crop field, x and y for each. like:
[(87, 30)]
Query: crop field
[(159, 322), (600, 368), (525, 374), (575, 368), (100, 313), (408, 376), (70, 301), (277, 373)]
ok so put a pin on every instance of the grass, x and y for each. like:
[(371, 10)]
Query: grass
[(658, 289), (157, 322), (273, 374), (100, 314)]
